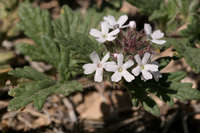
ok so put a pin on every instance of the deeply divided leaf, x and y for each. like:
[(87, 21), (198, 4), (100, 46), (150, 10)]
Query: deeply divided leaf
[(29, 73)]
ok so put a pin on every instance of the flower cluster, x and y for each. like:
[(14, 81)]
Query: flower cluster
[(124, 46)]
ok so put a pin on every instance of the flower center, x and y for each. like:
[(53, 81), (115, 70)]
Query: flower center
[(116, 26), (104, 36), (142, 67), (99, 65), (120, 69)]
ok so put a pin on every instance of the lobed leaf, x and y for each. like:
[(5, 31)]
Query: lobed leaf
[(190, 54), (29, 73), (147, 7), (35, 22), (150, 106), (38, 91), (185, 91), (168, 88), (33, 52), (27, 93)]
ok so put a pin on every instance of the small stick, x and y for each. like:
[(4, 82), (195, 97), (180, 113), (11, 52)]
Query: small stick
[(101, 88), (72, 113), (184, 121), (170, 122)]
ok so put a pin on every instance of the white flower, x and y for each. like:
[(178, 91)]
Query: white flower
[(104, 35), (120, 69), (97, 66), (155, 36), (113, 24), (143, 67)]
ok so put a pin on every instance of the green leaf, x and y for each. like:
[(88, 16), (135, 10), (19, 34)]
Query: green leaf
[(168, 88), (74, 41), (29, 73), (61, 43), (192, 32), (171, 87), (82, 44), (185, 91), (63, 67), (157, 14), (173, 15), (33, 52), (163, 62), (51, 50), (38, 91), (140, 95), (27, 93), (65, 25), (192, 57), (69, 87), (190, 54), (176, 76), (72, 29), (35, 22), (150, 106), (146, 6), (117, 4)]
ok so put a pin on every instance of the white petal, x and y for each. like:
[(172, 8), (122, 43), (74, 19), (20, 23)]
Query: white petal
[(95, 33), (159, 42), (157, 75), (136, 71), (127, 76), (110, 66), (138, 59), (98, 75), (94, 57), (157, 35), (101, 40), (146, 58), (124, 26), (111, 20), (110, 38), (114, 32), (132, 24), (122, 20), (89, 68), (147, 29), (151, 67), (120, 59), (104, 28), (147, 75), (128, 64), (106, 57), (116, 77)]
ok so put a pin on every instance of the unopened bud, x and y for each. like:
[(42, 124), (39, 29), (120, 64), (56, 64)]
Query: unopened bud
[(115, 55), (132, 24)]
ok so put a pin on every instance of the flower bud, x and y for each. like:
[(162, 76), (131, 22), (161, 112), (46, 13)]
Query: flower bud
[(132, 24)]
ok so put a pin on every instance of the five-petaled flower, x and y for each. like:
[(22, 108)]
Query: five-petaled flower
[(113, 24), (144, 67), (155, 36), (110, 27), (97, 65), (104, 35), (120, 69)]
